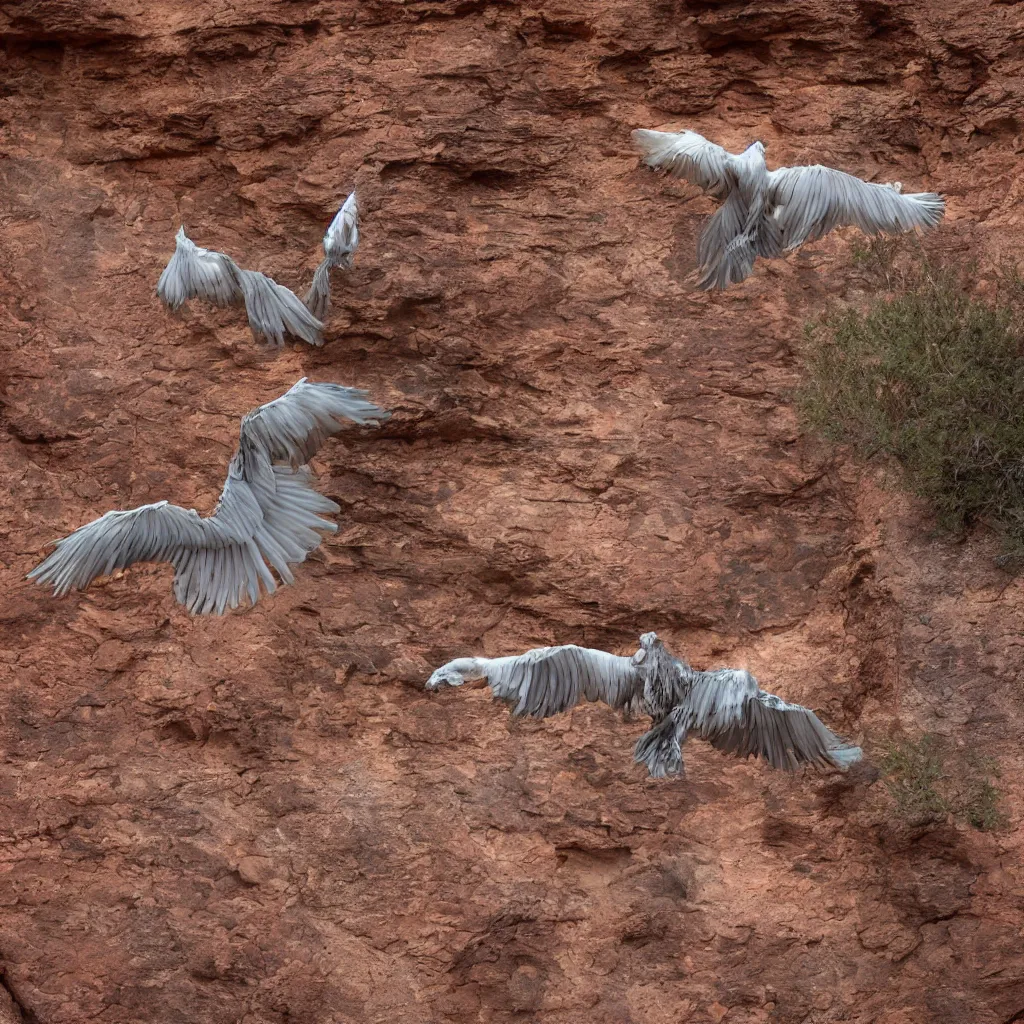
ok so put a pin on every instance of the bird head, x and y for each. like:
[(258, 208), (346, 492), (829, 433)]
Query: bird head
[(648, 642), (444, 676)]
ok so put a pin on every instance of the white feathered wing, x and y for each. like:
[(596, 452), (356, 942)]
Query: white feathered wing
[(268, 516), (272, 309), (686, 155), (809, 202)]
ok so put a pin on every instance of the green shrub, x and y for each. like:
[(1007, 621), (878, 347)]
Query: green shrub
[(912, 771), (934, 377), (929, 781), (978, 797)]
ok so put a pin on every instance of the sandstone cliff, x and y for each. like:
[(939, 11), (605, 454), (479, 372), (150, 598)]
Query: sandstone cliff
[(263, 818)]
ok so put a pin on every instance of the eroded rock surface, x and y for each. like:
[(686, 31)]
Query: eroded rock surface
[(263, 818)]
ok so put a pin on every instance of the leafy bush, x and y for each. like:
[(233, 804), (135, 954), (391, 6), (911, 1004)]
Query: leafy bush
[(935, 377)]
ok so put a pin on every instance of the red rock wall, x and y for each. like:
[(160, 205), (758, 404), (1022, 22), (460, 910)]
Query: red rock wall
[(263, 818)]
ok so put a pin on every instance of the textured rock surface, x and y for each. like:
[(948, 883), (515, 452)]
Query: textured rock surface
[(263, 818)]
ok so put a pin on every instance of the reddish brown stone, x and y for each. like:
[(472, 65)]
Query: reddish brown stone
[(262, 818)]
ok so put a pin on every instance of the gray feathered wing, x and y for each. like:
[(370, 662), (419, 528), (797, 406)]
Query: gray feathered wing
[(686, 155), (729, 710), (293, 427), (340, 243), (548, 680), (268, 515), (318, 298), (272, 309), (811, 201), (195, 273)]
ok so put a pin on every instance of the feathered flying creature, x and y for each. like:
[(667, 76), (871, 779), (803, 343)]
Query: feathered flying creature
[(268, 515), (273, 310), (769, 213), (340, 244), (725, 706)]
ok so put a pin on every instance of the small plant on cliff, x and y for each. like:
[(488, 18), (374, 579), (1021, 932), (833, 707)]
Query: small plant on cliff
[(912, 772), (933, 376), (929, 781), (978, 797), (887, 259)]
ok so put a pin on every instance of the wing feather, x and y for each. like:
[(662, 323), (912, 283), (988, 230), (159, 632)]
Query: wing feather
[(318, 298), (811, 201), (272, 309), (728, 709), (342, 237), (686, 155), (295, 426), (340, 243), (195, 273), (159, 531), (269, 515), (547, 680)]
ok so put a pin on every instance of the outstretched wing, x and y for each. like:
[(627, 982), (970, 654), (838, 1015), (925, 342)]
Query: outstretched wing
[(150, 533), (274, 310), (547, 680), (811, 201), (268, 516), (729, 709), (218, 560), (686, 155), (293, 427), (195, 273), (342, 238)]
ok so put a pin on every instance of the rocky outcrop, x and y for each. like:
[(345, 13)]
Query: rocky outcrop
[(263, 818)]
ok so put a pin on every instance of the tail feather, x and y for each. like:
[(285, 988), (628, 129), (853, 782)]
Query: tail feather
[(736, 264), (661, 749), (318, 298), (769, 238)]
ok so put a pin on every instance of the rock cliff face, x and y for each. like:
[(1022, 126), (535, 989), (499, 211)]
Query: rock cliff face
[(263, 818)]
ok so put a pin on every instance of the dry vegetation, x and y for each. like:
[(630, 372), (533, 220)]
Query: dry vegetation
[(929, 781), (932, 375)]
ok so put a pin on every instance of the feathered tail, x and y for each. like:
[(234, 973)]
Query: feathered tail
[(661, 749), (318, 298), (273, 309), (736, 264)]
